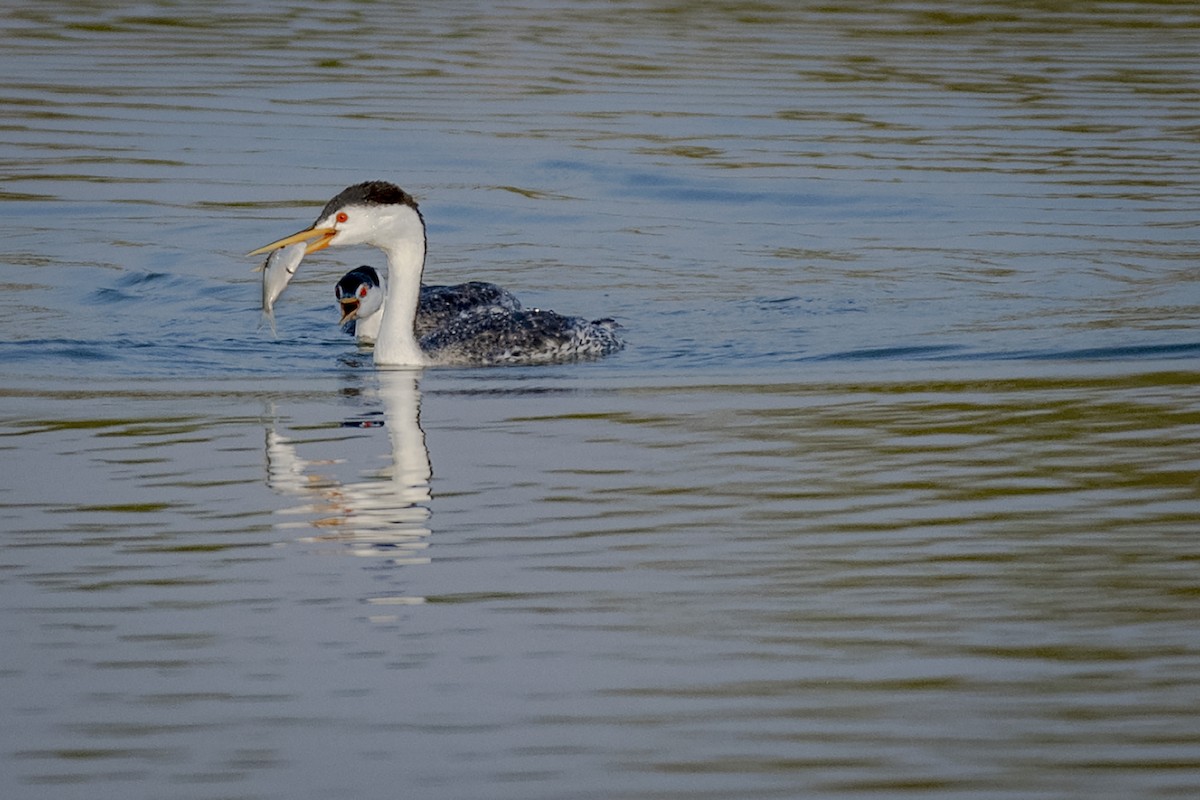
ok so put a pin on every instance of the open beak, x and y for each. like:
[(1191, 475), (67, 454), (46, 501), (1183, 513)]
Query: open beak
[(349, 309), (319, 241)]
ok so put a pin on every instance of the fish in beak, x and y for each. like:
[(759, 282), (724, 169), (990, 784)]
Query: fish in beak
[(278, 270), (283, 261)]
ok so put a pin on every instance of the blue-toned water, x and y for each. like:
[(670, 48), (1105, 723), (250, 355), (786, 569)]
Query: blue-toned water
[(893, 492)]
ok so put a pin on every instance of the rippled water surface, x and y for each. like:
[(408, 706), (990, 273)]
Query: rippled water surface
[(895, 490)]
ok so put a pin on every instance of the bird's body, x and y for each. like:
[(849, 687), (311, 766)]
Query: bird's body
[(439, 306), (361, 294), (498, 335), (381, 214)]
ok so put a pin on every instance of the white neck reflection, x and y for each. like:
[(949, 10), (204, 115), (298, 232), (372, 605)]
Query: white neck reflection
[(385, 515)]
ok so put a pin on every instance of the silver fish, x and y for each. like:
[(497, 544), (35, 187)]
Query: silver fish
[(277, 272)]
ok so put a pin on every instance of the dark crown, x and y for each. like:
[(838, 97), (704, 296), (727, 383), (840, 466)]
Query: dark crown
[(370, 193)]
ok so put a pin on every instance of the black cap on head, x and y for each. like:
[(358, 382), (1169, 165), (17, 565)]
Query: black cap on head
[(367, 272), (349, 283), (370, 193)]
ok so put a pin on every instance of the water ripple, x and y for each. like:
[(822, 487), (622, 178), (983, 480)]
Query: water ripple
[(943, 545)]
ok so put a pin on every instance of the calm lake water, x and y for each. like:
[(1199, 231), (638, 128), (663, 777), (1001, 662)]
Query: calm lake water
[(895, 490)]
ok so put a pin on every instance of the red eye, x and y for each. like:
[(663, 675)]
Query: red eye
[(362, 291), (342, 216)]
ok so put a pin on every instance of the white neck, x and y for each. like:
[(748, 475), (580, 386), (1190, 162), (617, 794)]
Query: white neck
[(366, 331), (396, 345)]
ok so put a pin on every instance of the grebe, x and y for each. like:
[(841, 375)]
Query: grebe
[(383, 215)]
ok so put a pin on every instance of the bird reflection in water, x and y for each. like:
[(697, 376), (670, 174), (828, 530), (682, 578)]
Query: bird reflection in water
[(384, 516)]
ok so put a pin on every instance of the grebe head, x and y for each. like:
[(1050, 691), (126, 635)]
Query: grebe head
[(359, 294), (376, 213)]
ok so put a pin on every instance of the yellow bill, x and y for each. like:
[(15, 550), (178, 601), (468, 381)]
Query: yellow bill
[(320, 240)]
